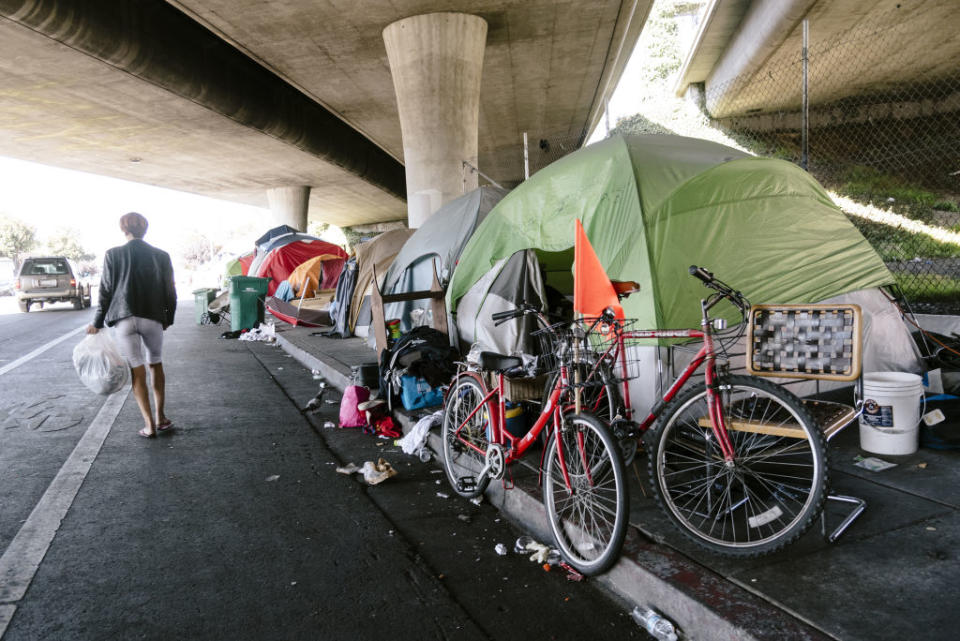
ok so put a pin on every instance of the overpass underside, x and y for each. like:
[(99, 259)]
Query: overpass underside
[(232, 100)]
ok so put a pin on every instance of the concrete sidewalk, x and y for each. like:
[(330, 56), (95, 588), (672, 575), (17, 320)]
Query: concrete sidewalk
[(899, 558)]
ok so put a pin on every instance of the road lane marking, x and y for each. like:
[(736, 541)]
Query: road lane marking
[(40, 350), (23, 556)]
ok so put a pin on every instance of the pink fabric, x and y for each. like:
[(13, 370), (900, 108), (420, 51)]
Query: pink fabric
[(350, 416)]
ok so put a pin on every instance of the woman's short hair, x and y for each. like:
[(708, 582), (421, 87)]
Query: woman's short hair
[(133, 224)]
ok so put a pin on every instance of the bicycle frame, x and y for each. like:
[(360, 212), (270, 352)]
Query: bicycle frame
[(518, 446), (705, 355)]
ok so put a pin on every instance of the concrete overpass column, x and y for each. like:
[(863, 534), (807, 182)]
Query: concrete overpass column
[(290, 206), (436, 61)]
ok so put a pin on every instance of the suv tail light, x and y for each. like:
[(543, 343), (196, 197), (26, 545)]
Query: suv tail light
[(16, 284), (73, 282)]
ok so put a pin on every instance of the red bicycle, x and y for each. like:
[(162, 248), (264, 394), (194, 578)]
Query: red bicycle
[(736, 462), (582, 475)]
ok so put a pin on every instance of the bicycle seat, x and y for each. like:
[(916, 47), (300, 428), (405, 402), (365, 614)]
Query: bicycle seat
[(493, 362), (624, 288)]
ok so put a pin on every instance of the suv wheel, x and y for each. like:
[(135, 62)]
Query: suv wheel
[(78, 302), (24, 305)]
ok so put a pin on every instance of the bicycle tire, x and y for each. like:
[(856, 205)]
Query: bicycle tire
[(601, 400), (768, 497), (459, 460), (580, 522)]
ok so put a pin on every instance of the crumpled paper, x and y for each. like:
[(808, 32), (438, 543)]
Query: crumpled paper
[(373, 473)]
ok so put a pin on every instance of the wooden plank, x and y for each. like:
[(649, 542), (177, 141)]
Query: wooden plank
[(376, 316), (790, 430)]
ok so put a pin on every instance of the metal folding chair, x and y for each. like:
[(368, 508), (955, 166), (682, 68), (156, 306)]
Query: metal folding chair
[(816, 342)]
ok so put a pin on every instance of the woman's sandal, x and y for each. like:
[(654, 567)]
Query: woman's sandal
[(145, 434), (163, 427)]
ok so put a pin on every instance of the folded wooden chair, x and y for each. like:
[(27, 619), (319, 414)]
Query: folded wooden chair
[(816, 342)]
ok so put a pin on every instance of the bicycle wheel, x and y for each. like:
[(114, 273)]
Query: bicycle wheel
[(465, 437), (773, 490), (588, 520), (600, 397)]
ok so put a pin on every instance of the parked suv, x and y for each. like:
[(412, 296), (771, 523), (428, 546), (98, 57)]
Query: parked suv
[(51, 279)]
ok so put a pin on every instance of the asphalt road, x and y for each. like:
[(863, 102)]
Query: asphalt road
[(236, 526)]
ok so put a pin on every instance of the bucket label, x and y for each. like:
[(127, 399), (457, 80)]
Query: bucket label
[(876, 415)]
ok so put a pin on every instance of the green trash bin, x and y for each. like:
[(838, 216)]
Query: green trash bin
[(246, 301), (201, 298)]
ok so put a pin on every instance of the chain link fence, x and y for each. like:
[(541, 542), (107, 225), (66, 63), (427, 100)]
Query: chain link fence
[(883, 132), (545, 149)]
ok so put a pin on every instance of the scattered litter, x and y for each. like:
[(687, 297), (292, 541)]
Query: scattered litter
[(541, 553), (572, 573), (279, 369), (425, 455), (521, 545), (272, 477), (651, 621), (436, 471), (930, 528), (438, 481), (934, 417), (331, 401), (415, 438), (376, 473), (873, 464), (265, 333), (922, 466), (477, 500), (316, 375), (329, 425), (443, 495), (501, 549), (293, 583), (349, 468), (464, 517)]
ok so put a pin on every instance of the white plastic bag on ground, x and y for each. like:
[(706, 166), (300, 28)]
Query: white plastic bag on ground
[(100, 365)]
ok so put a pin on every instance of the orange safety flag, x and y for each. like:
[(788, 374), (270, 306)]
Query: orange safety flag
[(592, 290)]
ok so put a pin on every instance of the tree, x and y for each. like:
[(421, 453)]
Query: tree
[(65, 243), (16, 239), (197, 249)]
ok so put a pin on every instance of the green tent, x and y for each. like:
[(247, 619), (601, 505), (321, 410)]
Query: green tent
[(653, 205)]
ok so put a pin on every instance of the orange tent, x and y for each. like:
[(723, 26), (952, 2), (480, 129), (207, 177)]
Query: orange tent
[(310, 275)]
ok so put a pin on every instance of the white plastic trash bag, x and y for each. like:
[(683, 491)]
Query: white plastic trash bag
[(100, 365)]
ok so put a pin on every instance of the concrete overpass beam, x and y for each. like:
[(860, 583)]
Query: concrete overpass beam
[(436, 61), (762, 31), (290, 206)]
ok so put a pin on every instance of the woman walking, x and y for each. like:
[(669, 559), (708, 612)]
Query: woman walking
[(138, 299)]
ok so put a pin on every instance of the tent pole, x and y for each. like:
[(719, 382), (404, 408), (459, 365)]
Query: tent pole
[(526, 157), (804, 134)]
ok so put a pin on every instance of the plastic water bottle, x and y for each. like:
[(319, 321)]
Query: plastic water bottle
[(649, 620)]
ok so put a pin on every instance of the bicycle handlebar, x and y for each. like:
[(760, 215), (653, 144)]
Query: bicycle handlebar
[(714, 283), (500, 318)]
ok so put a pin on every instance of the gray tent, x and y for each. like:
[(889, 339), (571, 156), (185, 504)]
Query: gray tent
[(509, 283), (438, 242)]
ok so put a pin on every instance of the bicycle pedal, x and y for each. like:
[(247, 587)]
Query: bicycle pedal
[(466, 483)]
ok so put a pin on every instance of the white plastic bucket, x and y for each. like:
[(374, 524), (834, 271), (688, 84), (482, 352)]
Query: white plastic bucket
[(890, 420)]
